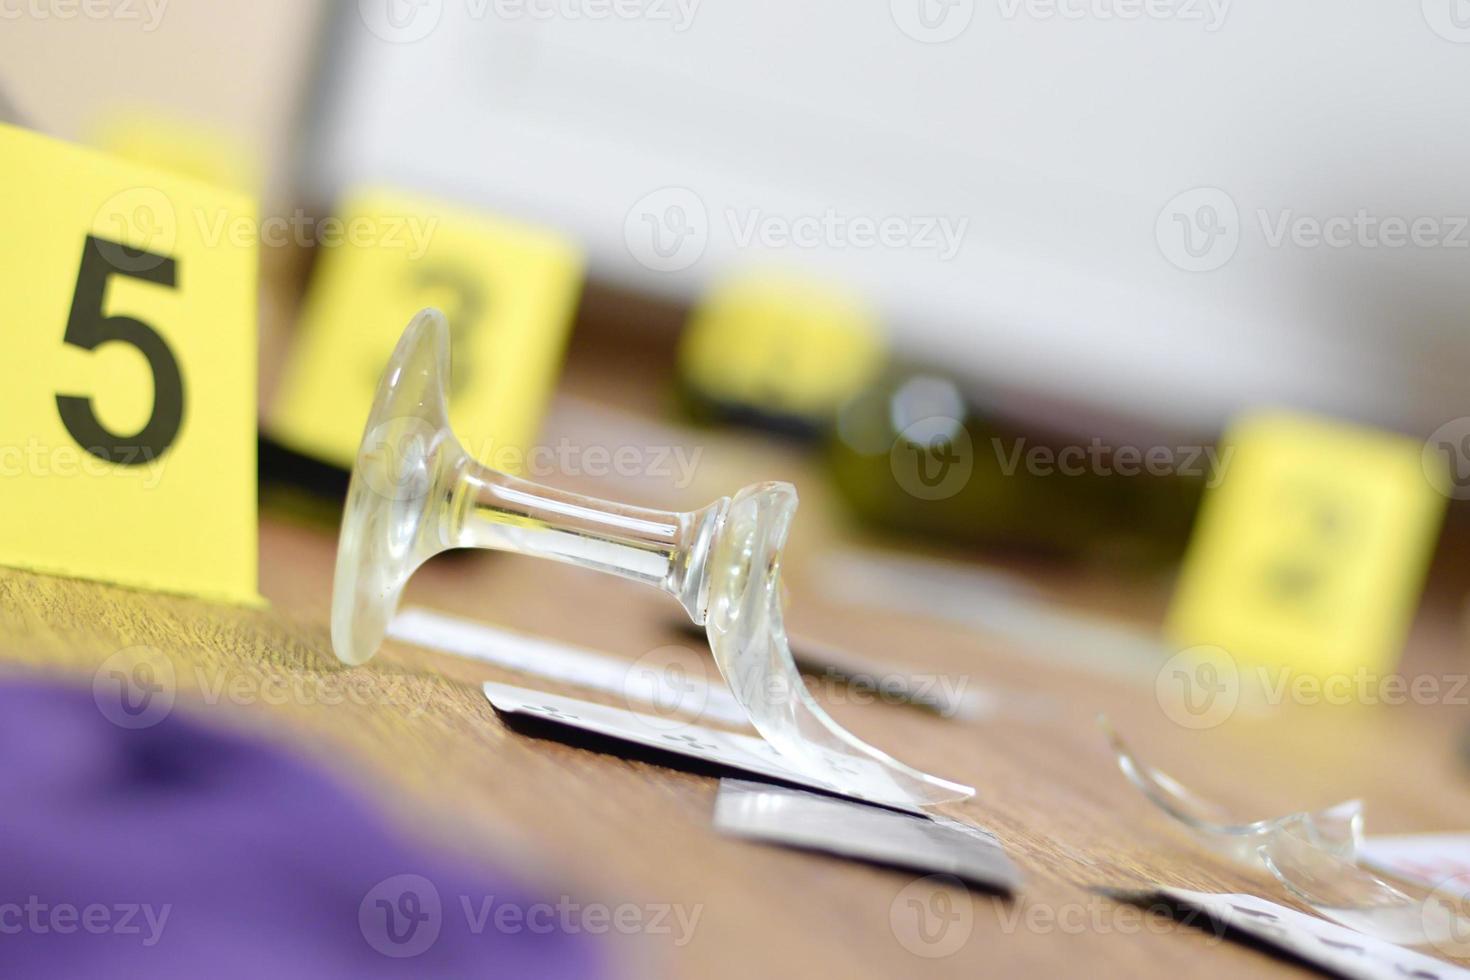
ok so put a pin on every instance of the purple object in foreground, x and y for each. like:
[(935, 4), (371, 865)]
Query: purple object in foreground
[(175, 850)]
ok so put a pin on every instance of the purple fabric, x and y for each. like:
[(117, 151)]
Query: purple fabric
[(237, 860)]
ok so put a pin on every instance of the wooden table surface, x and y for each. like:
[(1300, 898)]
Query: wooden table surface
[(413, 728)]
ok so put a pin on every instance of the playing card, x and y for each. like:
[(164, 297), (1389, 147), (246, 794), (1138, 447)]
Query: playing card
[(1326, 944), (937, 845), (665, 733)]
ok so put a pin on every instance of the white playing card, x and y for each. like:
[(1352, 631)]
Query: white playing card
[(656, 684), (1326, 944), (743, 752), (779, 815)]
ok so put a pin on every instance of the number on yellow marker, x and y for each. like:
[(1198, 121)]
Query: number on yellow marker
[(508, 290), (127, 439), (1311, 552)]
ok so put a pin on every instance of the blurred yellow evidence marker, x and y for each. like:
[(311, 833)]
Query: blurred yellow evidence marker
[(1311, 552), (127, 440), (189, 149), (782, 346), (509, 291)]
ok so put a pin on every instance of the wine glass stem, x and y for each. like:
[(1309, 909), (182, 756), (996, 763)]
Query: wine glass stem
[(665, 549)]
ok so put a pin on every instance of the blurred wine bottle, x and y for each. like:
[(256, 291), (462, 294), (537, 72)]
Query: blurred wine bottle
[(914, 453)]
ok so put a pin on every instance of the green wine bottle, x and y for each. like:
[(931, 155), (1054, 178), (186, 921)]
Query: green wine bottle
[(915, 453)]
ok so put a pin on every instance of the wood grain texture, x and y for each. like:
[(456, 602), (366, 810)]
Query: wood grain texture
[(413, 729)]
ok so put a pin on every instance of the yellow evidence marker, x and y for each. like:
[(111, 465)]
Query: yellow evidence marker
[(508, 290), (127, 443), (1311, 552)]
